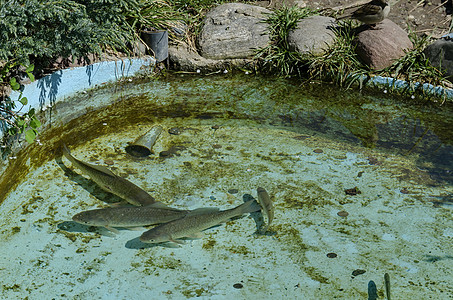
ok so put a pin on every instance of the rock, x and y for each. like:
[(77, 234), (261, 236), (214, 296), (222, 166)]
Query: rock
[(185, 59), (234, 30), (379, 46), (313, 34), (440, 54)]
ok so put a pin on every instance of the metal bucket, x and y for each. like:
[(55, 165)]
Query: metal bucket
[(158, 42), (142, 146)]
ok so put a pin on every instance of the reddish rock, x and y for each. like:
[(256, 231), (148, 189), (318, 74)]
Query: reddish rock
[(379, 46)]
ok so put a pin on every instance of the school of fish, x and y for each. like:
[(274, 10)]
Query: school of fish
[(172, 224)]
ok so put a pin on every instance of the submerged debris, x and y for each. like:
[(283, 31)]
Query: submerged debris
[(343, 213), (372, 290), (175, 130), (238, 285), (358, 272), (352, 192), (404, 191), (387, 285)]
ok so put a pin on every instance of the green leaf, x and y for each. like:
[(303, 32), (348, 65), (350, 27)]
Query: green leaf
[(31, 112), (30, 135), (31, 76), (23, 100), (12, 131), (20, 122), (14, 84), (30, 68), (35, 123)]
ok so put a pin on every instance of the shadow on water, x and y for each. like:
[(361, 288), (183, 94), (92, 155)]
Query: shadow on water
[(379, 123), (71, 226), (89, 185), (137, 244)]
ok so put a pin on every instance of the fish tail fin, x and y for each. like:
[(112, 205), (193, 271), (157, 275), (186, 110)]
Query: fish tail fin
[(249, 207), (68, 155), (66, 152)]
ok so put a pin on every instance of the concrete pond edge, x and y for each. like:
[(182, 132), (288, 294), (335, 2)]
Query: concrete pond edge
[(62, 84)]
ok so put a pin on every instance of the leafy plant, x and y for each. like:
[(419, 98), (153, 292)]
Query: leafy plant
[(415, 68), (34, 31), (340, 63), (159, 15), (14, 122), (278, 55)]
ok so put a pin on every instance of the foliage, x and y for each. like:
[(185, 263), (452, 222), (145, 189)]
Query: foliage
[(14, 122), (278, 55), (340, 63), (415, 68), (155, 15), (195, 10), (34, 31)]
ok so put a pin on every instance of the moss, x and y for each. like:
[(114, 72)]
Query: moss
[(31, 205), (15, 287), (71, 236), (209, 244), (163, 263), (194, 293), (239, 250)]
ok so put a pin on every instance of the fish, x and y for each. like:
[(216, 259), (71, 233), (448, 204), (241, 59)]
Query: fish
[(113, 183), (128, 216), (266, 203), (195, 222)]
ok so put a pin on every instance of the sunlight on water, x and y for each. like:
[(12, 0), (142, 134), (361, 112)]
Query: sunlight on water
[(361, 187)]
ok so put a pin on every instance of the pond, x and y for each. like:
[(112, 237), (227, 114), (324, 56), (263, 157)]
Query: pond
[(361, 186)]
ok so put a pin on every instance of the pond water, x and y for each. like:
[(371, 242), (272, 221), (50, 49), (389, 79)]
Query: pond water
[(361, 185)]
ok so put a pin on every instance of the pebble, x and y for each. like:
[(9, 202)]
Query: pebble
[(331, 255), (404, 191), (343, 213), (109, 162), (318, 151), (164, 154), (358, 272), (238, 285), (233, 191), (174, 130), (352, 192)]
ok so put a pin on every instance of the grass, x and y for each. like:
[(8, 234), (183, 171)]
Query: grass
[(278, 55), (414, 67), (339, 63)]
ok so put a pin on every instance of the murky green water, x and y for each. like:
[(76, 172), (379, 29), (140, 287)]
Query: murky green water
[(307, 145)]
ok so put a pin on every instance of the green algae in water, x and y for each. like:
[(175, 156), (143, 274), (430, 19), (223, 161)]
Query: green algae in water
[(256, 142)]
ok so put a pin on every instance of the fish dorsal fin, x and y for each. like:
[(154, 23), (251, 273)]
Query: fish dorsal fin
[(158, 204), (203, 210), (100, 169)]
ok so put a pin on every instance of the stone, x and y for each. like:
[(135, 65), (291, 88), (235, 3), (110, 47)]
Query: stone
[(379, 46), (185, 59), (234, 30), (440, 55), (312, 35)]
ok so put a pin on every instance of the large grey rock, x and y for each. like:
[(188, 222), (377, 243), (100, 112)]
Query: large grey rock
[(312, 35), (379, 46), (234, 30), (440, 54), (185, 59)]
